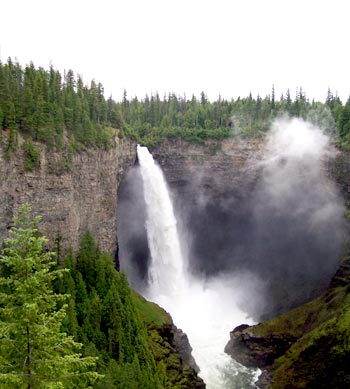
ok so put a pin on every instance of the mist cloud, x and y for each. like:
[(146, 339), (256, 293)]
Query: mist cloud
[(280, 219)]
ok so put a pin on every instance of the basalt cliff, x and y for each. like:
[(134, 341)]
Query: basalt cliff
[(71, 197)]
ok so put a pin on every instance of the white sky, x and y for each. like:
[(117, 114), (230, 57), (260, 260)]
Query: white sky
[(227, 47)]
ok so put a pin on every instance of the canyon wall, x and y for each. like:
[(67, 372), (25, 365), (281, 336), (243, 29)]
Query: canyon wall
[(72, 195), (213, 187), (217, 169)]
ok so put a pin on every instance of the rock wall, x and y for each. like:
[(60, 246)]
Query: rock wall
[(215, 169), (70, 200)]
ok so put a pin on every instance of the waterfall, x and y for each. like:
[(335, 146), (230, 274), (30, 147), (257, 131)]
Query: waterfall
[(166, 273), (205, 309)]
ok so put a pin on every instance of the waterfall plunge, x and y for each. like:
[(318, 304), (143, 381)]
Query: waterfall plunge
[(206, 310)]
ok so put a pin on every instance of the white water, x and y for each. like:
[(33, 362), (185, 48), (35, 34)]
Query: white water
[(206, 311)]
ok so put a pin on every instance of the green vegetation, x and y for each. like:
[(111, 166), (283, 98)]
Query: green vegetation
[(75, 322), (55, 109), (35, 352), (32, 155), (197, 120), (46, 107), (151, 313)]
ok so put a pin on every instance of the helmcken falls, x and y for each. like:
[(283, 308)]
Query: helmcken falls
[(206, 310)]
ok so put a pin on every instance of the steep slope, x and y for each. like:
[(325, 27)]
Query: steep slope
[(72, 193), (169, 345)]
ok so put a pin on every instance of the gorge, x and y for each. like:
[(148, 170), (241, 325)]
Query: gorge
[(296, 223), (218, 190)]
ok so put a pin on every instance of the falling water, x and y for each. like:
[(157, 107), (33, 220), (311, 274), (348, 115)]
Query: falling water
[(166, 272), (206, 311)]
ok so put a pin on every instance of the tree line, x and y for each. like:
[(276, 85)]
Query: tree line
[(46, 106)]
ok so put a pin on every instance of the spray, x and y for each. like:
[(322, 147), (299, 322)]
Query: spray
[(205, 310)]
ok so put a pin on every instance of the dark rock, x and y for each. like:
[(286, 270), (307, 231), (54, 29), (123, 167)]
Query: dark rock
[(253, 351), (184, 349)]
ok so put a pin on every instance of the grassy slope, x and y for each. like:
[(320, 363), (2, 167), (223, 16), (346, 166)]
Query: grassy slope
[(151, 313)]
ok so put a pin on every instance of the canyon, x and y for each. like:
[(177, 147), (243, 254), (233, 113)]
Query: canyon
[(212, 184)]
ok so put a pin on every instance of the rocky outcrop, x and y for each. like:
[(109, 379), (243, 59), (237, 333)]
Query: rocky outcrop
[(170, 346), (72, 195), (184, 348), (257, 351)]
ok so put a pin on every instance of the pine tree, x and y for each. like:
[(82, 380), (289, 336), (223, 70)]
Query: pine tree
[(12, 129), (35, 353)]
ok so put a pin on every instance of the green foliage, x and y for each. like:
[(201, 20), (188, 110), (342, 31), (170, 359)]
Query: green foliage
[(199, 120), (320, 359), (48, 305), (32, 155), (110, 319), (35, 352), (151, 313), (43, 104)]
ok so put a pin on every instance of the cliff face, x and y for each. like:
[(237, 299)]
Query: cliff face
[(70, 202), (217, 169), (339, 169)]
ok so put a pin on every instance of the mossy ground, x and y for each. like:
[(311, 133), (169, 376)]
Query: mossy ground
[(161, 343), (151, 313)]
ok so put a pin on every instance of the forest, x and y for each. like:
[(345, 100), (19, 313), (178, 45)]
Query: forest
[(66, 114), (74, 321)]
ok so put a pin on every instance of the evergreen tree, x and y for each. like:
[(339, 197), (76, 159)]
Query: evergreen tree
[(12, 129), (35, 353), (344, 120)]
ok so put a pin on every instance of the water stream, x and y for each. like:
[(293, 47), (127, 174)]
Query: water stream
[(204, 309)]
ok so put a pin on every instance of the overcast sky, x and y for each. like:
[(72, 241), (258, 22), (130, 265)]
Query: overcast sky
[(226, 47)]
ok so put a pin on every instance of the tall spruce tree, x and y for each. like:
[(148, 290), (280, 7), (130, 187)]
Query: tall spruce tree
[(35, 353)]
